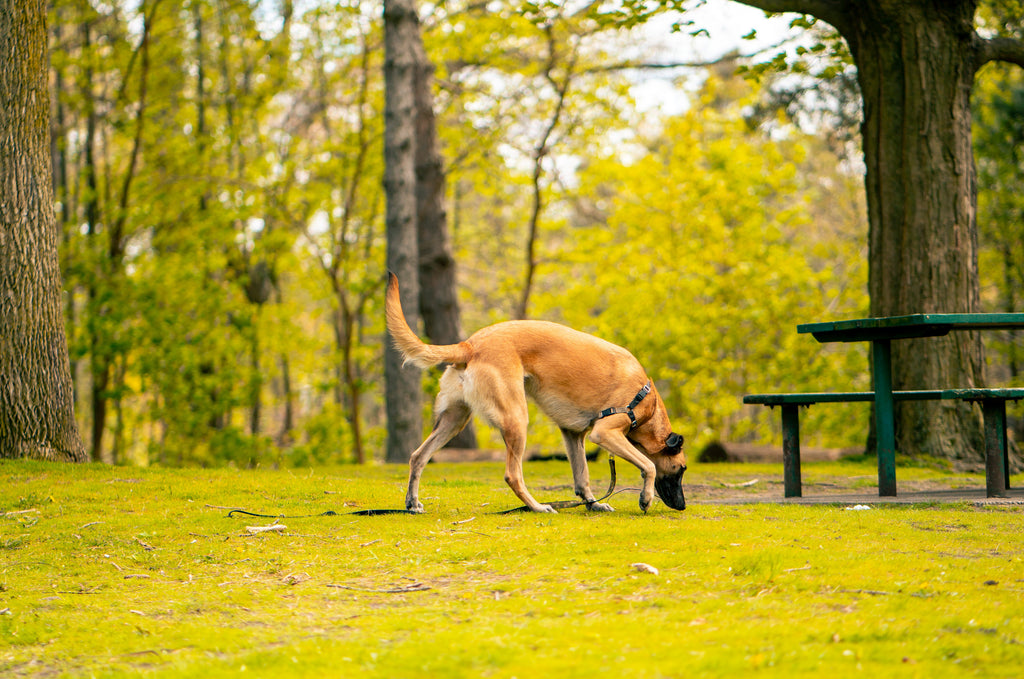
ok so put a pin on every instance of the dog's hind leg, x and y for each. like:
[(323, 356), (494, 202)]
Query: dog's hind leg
[(453, 415), (449, 423), (580, 472)]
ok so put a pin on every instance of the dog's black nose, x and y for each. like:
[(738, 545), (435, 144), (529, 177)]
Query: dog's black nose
[(670, 490)]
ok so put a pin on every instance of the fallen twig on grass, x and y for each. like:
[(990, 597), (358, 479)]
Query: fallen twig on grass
[(745, 484), (469, 532), (18, 511), (295, 578), (277, 528), (397, 589), (644, 568)]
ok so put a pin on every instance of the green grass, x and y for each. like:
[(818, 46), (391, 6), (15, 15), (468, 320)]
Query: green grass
[(122, 571)]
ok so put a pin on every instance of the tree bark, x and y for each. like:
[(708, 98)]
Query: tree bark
[(36, 406), (438, 299), (916, 62), (403, 383)]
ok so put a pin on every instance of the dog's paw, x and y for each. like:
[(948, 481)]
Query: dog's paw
[(545, 509), (600, 507), (415, 507), (645, 502)]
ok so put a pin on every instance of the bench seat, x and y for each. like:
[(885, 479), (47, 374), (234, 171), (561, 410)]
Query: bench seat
[(993, 403)]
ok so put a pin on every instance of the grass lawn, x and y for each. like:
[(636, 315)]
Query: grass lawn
[(121, 571)]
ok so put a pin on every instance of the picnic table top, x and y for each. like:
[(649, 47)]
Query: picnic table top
[(914, 325)]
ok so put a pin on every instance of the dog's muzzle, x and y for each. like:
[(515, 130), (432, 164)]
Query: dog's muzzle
[(670, 490)]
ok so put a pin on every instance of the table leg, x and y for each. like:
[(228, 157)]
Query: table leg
[(791, 450), (1006, 452), (995, 447), (885, 428)]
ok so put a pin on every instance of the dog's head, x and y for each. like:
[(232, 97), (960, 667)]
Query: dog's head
[(662, 446), (670, 464)]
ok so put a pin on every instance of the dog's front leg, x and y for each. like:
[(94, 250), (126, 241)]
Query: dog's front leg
[(580, 472), (610, 434)]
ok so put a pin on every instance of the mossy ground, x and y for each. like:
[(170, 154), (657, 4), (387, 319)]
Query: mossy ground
[(121, 572)]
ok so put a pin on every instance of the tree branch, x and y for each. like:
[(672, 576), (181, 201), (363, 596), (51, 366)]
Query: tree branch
[(668, 66), (1000, 49), (833, 12)]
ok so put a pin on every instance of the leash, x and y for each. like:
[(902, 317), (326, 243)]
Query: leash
[(329, 512), (561, 504)]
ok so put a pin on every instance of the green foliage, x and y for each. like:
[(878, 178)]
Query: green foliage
[(111, 571), (325, 439), (192, 267), (827, 57)]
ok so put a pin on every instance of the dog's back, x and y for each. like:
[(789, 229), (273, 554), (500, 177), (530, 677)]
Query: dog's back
[(557, 362)]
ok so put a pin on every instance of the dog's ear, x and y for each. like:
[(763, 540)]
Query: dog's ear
[(674, 440)]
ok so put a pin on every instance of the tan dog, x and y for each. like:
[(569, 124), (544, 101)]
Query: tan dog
[(578, 380)]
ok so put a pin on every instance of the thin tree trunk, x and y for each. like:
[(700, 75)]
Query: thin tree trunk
[(256, 382), (348, 390), (200, 94), (36, 405), (284, 437), (99, 365), (403, 383), (540, 153), (62, 192)]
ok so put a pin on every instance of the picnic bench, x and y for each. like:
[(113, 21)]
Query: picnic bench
[(880, 332)]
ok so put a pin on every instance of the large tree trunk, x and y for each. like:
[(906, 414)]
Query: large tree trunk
[(36, 406), (403, 384), (439, 304), (916, 68)]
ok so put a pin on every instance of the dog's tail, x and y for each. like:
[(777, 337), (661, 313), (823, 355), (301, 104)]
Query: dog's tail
[(414, 350)]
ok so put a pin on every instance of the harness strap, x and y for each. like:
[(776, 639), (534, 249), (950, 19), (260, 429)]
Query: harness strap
[(628, 410)]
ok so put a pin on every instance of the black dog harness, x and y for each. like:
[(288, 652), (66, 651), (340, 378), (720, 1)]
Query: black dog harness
[(628, 410)]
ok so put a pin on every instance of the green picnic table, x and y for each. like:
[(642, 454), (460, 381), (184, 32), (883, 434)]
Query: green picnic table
[(880, 332)]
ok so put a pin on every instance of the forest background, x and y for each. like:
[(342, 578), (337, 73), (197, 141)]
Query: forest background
[(218, 166)]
